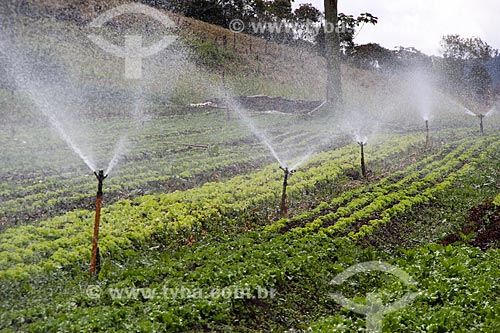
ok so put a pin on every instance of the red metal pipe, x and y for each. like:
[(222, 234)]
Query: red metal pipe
[(95, 248)]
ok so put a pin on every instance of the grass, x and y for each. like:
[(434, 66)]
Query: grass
[(273, 69)]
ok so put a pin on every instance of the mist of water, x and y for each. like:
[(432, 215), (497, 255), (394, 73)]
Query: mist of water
[(123, 146), (44, 106), (43, 95), (360, 139), (462, 107), (469, 112), (118, 153), (301, 161), (491, 111), (422, 90), (248, 122)]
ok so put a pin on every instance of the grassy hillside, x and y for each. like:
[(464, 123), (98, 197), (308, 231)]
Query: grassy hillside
[(252, 65)]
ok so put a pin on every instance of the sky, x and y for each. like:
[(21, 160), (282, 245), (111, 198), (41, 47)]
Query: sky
[(422, 23)]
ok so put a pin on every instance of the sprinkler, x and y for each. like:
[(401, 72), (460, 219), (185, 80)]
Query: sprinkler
[(287, 172), (481, 127), (428, 138), (363, 165), (95, 262)]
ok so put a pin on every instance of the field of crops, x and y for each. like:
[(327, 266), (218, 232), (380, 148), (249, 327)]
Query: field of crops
[(180, 219), (191, 235)]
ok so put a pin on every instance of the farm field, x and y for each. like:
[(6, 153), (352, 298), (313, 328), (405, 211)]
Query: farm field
[(227, 235), (193, 235)]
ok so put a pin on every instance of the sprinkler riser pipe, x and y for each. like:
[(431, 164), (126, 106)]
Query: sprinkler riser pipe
[(95, 247), (428, 138), (283, 207), (363, 164), (95, 240), (481, 125)]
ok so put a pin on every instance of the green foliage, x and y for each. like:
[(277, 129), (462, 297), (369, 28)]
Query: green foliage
[(496, 201), (473, 48), (213, 237), (209, 54), (464, 66)]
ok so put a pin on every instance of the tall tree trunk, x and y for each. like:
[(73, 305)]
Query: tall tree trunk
[(332, 43)]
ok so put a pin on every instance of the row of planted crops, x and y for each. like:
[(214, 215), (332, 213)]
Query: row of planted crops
[(41, 178), (228, 235), (255, 197)]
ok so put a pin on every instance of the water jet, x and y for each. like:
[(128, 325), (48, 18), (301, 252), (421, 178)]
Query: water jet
[(95, 261), (287, 173)]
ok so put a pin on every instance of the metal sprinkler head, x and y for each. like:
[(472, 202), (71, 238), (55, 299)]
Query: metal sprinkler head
[(100, 175), (287, 171), (362, 143), (100, 178)]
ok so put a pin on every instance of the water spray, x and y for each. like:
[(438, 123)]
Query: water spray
[(428, 137), (94, 264), (362, 144), (287, 173)]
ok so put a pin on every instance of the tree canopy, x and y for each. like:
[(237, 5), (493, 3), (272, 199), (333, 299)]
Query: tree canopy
[(465, 67), (222, 12)]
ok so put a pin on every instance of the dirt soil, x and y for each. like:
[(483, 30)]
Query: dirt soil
[(262, 103), (483, 228)]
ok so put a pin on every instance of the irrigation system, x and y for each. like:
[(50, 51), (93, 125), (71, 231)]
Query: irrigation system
[(362, 144), (95, 261), (287, 173), (428, 137), (481, 126)]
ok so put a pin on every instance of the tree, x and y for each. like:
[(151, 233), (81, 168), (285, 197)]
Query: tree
[(347, 26), (493, 67), (219, 12), (456, 47), (410, 57), (464, 66), (307, 12), (372, 56), (306, 19), (280, 9), (332, 52), (480, 84)]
